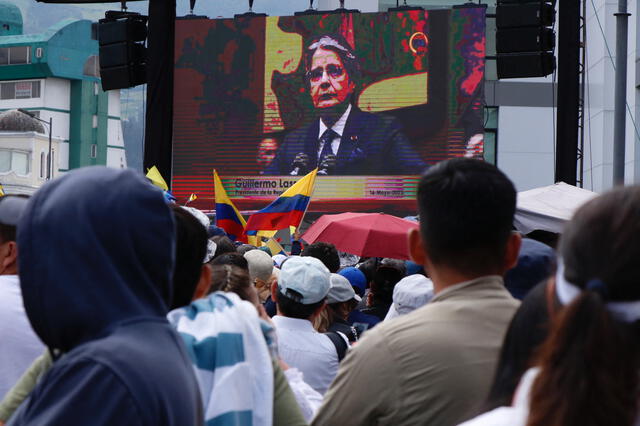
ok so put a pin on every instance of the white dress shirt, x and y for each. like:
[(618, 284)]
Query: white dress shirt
[(19, 345), (337, 127), (312, 353)]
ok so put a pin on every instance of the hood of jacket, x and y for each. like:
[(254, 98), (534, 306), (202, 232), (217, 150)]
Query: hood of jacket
[(536, 261), (96, 250)]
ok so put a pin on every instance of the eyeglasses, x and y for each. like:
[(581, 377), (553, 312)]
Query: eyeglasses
[(333, 71)]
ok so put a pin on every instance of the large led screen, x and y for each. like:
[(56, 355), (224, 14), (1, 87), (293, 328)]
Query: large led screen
[(370, 99)]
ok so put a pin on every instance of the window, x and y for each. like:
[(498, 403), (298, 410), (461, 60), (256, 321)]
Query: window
[(5, 161), (20, 162), (23, 89), (19, 55), (92, 67), (20, 90), (14, 161), (15, 55)]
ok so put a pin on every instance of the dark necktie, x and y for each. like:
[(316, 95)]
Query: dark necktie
[(325, 140)]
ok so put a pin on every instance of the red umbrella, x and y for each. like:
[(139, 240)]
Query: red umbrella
[(364, 234)]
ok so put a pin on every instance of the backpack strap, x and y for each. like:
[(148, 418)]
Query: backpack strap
[(339, 343)]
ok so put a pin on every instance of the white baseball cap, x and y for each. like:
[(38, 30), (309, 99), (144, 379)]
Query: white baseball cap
[(409, 294), (260, 264), (306, 276)]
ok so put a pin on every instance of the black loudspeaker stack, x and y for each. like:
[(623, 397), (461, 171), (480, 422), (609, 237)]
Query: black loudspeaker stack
[(525, 39)]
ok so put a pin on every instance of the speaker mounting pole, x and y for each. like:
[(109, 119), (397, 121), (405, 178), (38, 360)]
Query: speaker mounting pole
[(568, 91)]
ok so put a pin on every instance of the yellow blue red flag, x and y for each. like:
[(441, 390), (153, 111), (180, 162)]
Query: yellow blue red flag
[(227, 215), (286, 210)]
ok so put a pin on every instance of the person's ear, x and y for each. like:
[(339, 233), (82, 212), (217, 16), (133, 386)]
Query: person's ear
[(512, 250), (204, 283), (9, 255), (416, 249), (274, 290)]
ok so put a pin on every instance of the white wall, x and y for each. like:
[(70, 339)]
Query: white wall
[(60, 122), (57, 93), (525, 145), (114, 103), (63, 156), (114, 133), (116, 158), (600, 96)]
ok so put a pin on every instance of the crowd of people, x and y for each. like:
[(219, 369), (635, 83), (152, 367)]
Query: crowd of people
[(118, 307)]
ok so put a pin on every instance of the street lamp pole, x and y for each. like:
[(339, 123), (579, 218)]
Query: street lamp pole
[(50, 159), (50, 124)]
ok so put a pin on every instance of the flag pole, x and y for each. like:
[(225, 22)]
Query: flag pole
[(313, 189)]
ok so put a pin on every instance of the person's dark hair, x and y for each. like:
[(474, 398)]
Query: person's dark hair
[(527, 331), (8, 232), (235, 259), (383, 283), (191, 247), (292, 309), (466, 215), (223, 245), (589, 364), (341, 47), (233, 279), (341, 310), (326, 253), (369, 267), (245, 248)]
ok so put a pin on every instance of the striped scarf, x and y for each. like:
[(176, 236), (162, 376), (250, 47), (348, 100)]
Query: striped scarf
[(228, 346)]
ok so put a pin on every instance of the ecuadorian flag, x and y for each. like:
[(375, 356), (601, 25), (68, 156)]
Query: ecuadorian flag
[(227, 216), (287, 210)]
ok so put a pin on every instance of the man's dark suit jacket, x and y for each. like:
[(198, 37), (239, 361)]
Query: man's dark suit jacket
[(371, 144)]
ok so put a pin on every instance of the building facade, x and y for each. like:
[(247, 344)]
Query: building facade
[(54, 75)]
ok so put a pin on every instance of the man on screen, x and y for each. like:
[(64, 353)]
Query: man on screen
[(343, 140)]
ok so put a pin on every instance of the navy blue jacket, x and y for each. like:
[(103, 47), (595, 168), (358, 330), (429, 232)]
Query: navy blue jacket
[(371, 144), (96, 260)]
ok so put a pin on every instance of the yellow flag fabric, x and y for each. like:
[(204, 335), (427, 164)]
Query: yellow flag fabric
[(223, 198), (275, 247), (192, 197), (153, 174), (1, 191), (302, 187)]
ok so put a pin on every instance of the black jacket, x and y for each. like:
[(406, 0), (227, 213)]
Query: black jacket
[(371, 144)]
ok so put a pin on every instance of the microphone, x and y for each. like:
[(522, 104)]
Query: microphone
[(300, 162), (327, 164)]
